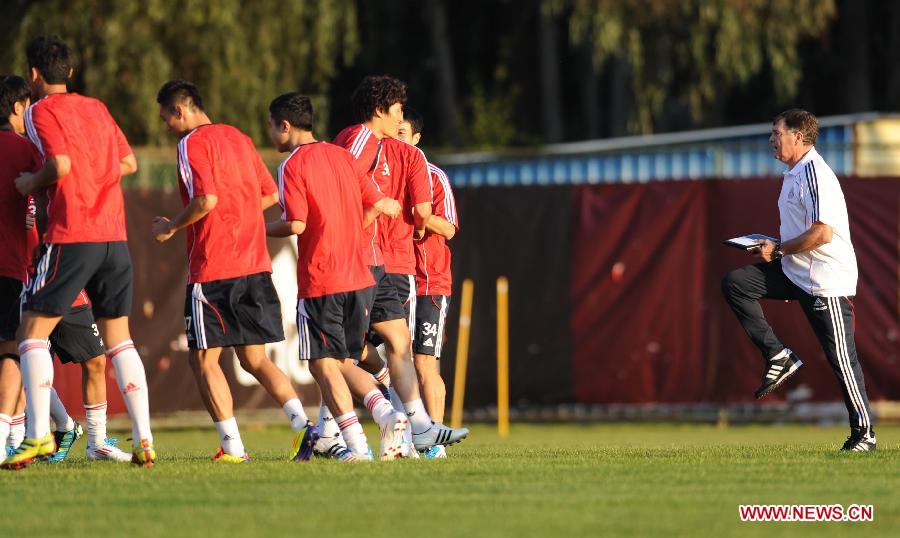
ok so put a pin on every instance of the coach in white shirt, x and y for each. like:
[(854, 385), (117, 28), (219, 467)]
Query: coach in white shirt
[(814, 264)]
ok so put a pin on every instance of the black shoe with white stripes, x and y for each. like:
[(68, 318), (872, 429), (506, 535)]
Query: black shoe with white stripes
[(779, 368), (860, 442)]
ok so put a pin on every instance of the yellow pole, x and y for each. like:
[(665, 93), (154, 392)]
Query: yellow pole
[(462, 353), (503, 357)]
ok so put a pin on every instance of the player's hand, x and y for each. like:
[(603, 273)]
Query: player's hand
[(24, 183), (765, 250), (390, 207), (161, 229), (29, 221)]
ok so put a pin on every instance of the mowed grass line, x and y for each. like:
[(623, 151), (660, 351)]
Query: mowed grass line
[(553, 480)]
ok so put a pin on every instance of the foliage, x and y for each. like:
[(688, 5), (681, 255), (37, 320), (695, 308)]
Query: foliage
[(697, 49), (241, 53)]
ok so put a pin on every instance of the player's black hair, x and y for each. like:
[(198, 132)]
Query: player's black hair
[(13, 89), (377, 93), (52, 57), (294, 107), (179, 92), (415, 120)]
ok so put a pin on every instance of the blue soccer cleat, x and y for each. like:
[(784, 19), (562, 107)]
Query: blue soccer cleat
[(64, 441)]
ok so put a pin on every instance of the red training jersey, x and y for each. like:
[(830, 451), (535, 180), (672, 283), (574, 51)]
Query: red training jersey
[(86, 206), (230, 241), (433, 275), (319, 185), (366, 150), (17, 155), (402, 174)]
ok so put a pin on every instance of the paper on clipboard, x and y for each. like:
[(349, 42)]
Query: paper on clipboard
[(748, 242)]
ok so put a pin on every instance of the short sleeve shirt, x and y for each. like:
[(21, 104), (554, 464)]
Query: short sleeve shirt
[(319, 186), (17, 155), (401, 174), (230, 241), (87, 205), (811, 193), (365, 148), (433, 274)]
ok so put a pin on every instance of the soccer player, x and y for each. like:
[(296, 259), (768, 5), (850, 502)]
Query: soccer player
[(85, 156), (815, 265), (433, 282), (322, 198), (76, 338), (400, 171), (230, 299)]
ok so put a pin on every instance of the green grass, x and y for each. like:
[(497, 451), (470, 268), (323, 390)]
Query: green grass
[(565, 481)]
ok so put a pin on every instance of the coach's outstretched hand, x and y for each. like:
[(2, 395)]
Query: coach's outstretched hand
[(161, 229)]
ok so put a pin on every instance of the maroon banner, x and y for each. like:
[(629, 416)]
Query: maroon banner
[(648, 320)]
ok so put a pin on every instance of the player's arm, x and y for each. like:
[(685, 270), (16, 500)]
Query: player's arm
[(421, 216), (817, 235), (55, 168), (268, 201), (441, 226), (285, 228), (128, 165), (200, 206)]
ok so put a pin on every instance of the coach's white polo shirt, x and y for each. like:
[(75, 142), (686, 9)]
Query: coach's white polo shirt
[(811, 193)]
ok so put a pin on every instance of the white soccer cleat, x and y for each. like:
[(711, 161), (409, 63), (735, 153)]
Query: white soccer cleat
[(392, 446), (108, 451)]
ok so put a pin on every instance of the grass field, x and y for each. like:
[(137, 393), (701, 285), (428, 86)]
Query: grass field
[(554, 480)]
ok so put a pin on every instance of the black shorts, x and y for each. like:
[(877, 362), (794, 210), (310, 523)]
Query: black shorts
[(431, 317), (334, 326), (76, 338), (387, 304), (241, 311), (10, 308), (406, 291), (102, 269)]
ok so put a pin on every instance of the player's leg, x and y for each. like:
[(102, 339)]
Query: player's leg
[(743, 288), (110, 289), (17, 426), (254, 360), (428, 343), (216, 395), (10, 387), (320, 325), (60, 275), (832, 319)]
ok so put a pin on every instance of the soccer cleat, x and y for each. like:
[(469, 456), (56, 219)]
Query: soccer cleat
[(108, 451), (437, 452), (304, 443), (392, 437), (778, 370), (10, 450), (328, 446), (438, 434), (860, 442), (222, 457), (31, 449), (345, 455), (64, 441), (143, 455)]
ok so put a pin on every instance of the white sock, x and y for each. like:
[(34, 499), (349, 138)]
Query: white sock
[(418, 416), (95, 417), (230, 437), (59, 414), (381, 409), (5, 425), (327, 426), (17, 431), (132, 381), (37, 376), (294, 410), (384, 377), (353, 433)]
